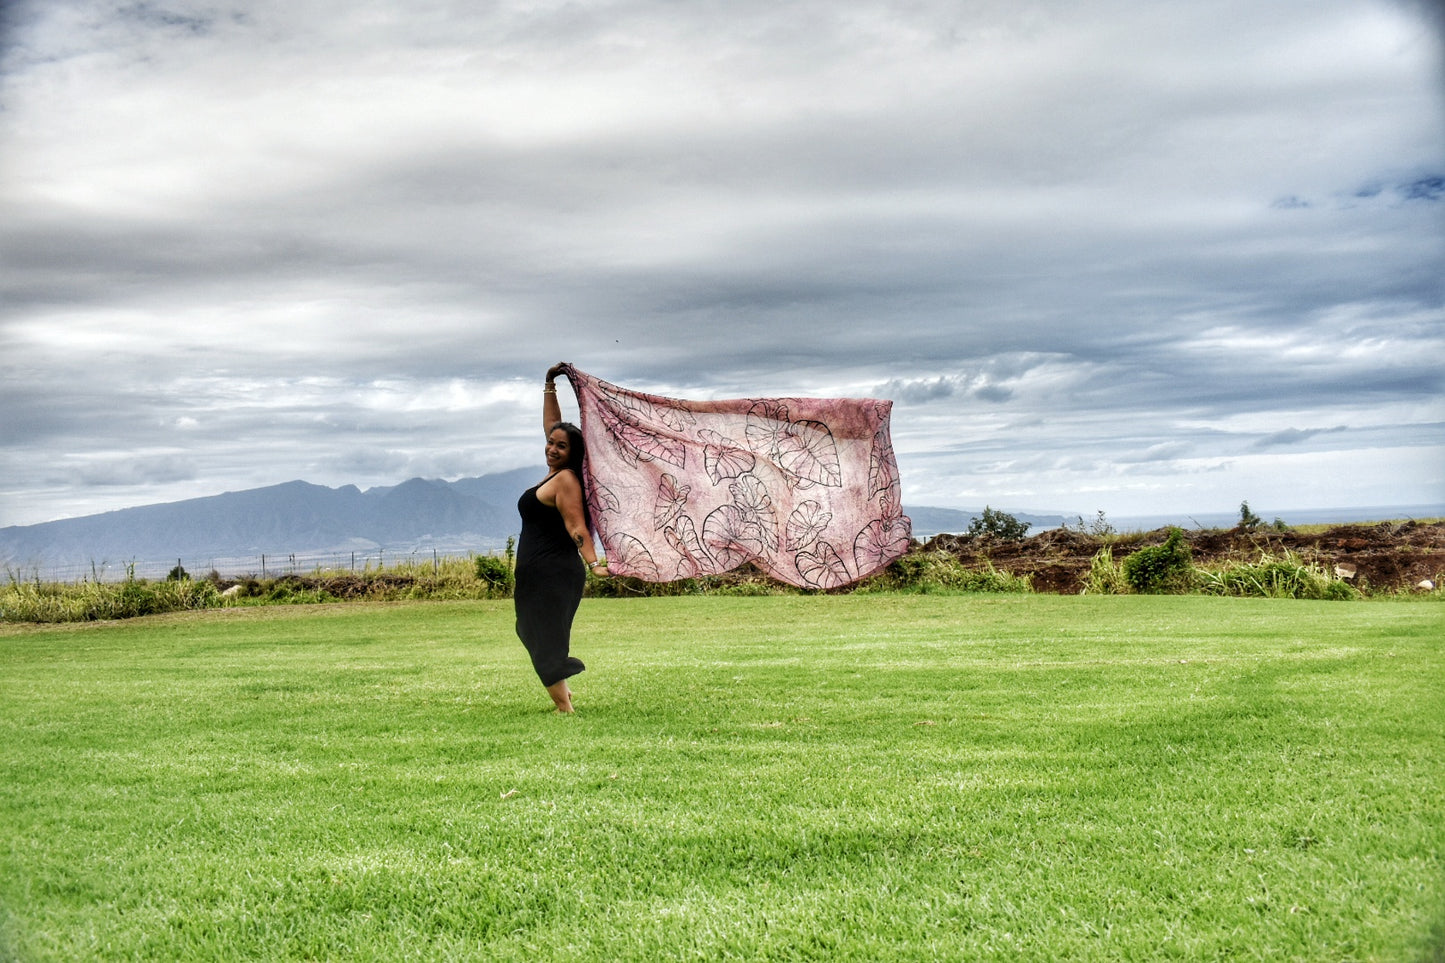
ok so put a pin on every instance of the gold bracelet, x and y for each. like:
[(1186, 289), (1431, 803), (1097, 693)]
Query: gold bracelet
[(600, 561), (550, 391)]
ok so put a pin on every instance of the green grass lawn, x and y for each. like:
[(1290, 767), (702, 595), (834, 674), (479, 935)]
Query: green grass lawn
[(843, 778)]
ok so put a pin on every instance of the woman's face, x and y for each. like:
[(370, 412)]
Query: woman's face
[(559, 449)]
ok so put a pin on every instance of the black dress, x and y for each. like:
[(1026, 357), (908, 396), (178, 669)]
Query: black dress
[(550, 578)]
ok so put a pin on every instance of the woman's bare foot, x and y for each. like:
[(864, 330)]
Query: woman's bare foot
[(561, 696)]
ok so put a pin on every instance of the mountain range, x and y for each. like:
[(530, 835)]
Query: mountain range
[(469, 514)]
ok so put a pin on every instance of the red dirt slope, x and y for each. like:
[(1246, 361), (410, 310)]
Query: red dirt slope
[(1386, 556)]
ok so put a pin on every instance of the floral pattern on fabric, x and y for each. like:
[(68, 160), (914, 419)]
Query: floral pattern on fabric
[(806, 489)]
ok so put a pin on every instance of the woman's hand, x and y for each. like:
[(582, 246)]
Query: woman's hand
[(557, 369)]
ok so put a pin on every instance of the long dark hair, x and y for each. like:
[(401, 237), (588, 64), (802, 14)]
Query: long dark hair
[(576, 454)]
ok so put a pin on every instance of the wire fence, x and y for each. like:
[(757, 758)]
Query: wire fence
[(262, 565)]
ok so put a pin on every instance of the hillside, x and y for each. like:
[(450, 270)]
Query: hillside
[(293, 517)]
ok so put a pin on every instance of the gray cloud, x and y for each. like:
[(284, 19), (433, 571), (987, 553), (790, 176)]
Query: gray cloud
[(1077, 243), (132, 470), (1293, 436)]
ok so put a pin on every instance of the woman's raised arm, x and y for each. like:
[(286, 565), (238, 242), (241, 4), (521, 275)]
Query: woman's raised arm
[(551, 410)]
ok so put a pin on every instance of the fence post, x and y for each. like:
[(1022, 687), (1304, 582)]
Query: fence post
[(263, 564)]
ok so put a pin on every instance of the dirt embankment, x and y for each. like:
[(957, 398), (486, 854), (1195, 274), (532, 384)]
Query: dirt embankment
[(1383, 557)]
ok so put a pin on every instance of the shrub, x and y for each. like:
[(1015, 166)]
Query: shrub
[(1099, 525), (1160, 568), (999, 525), (496, 572), (1248, 520)]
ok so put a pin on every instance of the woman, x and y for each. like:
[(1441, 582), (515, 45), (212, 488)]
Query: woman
[(556, 529)]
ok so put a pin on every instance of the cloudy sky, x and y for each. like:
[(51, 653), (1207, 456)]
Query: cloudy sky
[(1103, 254)]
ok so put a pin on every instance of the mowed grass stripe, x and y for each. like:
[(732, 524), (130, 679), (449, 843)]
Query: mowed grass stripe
[(854, 777)]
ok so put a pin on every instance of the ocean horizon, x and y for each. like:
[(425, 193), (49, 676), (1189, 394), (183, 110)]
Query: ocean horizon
[(1290, 516)]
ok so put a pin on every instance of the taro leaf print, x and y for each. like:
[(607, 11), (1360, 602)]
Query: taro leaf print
[(632, 558), (883, 475), (804, 450), (600, 498), (806, 524), (750, 495), (767, 421), (808, 455), (722, 457), (883, 540), (692, 558), (629, 400), (822, 568), (674, 416), (639, 442), (671, 498), (732, 536)]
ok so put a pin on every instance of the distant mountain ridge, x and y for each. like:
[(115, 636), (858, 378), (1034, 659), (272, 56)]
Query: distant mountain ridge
[(469, 514), (294, 516)]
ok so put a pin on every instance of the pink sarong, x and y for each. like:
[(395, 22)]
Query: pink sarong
[(804, 488)]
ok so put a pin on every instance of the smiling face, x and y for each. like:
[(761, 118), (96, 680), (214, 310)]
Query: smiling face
[(559, 449)]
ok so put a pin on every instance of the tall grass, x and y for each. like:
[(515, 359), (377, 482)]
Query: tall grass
[(444, 579), (1106, 576), (36, 601), (927, 572), (450, 578), (1284, 576)]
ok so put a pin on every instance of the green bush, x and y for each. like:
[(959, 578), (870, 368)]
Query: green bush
[(1248, 520), (496, 572), (999, 525), (1160, 568)]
